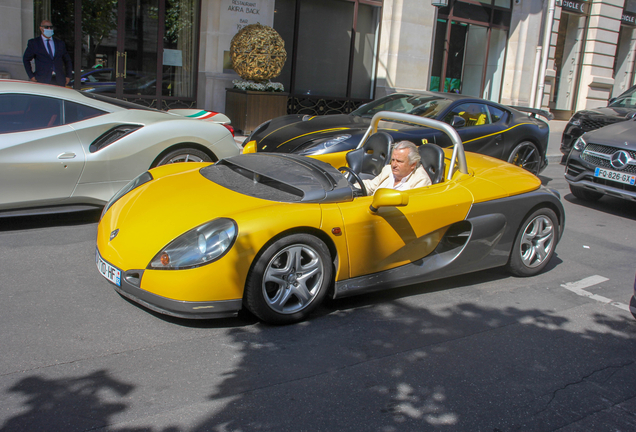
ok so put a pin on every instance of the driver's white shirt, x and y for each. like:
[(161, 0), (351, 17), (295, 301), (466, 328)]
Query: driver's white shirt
[(418, 178), (389, 182)]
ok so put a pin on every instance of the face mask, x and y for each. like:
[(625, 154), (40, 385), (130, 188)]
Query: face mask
[(48, 32)]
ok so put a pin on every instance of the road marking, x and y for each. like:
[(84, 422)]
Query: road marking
[(578, 288)]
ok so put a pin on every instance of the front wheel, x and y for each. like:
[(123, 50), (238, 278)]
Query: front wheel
[(184, 155), (535, 243), (289, 280), (526, 155)]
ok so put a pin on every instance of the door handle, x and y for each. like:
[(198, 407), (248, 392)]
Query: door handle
[(66, 155)]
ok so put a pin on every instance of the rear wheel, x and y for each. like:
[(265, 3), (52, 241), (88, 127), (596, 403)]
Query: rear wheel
[(289, 280), (184, 155), (526, 155), (585, 194), (535, 243)]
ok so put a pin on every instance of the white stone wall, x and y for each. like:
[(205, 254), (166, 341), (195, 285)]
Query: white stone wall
[(524, 37), (406, 46), (218, 26), (596, 80)]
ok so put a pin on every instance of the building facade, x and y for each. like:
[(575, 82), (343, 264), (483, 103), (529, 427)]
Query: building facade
[(563, 55)]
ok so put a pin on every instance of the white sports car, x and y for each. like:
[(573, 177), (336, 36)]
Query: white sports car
[(64, 150)]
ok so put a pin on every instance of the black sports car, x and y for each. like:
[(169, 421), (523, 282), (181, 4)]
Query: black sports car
[(603, 162), (485, 127), (619, 109)]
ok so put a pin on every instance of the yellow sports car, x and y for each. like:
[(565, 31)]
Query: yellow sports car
[(276, 233)]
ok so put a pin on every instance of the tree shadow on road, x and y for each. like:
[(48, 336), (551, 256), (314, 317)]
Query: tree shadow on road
[(75, 403), (378, 363)]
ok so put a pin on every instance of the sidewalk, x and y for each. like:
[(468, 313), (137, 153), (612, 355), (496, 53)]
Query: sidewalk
[(554, 143)]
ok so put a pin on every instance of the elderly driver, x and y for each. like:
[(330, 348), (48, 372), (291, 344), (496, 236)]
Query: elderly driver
[(404, 172)]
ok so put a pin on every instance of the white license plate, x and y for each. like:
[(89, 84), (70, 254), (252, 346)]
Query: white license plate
[(110, 272), (629, 179)]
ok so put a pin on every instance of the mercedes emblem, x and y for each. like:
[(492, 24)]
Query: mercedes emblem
[(619, 159)]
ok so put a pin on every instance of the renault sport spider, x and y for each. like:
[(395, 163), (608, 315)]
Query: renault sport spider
[(276, 233)]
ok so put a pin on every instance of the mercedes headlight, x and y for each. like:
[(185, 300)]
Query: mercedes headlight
[(323, 146), (580, 144), (199, 246), (141, 179)]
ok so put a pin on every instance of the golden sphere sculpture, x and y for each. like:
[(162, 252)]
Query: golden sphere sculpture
[(258, 53)]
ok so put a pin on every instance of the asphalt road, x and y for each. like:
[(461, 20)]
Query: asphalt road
[(483, 352)]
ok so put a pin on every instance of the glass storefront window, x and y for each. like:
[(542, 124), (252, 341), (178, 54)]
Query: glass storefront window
[(122, 43), (324, 60), (284, 17), (180, 48), (469, 57), (624, 60), (475, 57), (495, 67), (324, 44), (364, 55), (567, 59)]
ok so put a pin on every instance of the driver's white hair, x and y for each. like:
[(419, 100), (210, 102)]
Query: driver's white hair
[(414, 155)]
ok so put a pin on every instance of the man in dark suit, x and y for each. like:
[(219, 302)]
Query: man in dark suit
[(52, 62)]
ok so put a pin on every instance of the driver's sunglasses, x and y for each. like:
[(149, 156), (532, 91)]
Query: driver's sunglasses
[(47, 27)]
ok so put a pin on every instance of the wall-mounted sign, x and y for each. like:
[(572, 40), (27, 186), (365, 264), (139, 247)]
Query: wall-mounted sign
[(628, 18), (580, 7), (236, 14), (172, 57)]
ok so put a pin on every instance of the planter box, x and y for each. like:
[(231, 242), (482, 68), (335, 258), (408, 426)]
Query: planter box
[(247, 109)]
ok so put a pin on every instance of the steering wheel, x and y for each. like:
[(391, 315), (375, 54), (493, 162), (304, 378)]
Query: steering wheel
[(356, 177)]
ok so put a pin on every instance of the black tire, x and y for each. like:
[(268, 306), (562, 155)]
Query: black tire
[(585, 194), (535, 243), (184, 155), (289, 280), (526, 155)]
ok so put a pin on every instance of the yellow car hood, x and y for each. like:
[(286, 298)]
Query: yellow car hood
[(179, 199)]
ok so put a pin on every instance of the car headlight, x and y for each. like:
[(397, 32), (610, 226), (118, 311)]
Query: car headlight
[(322, 146), (199, 246), (141, 179), (575, 122), (580, 144)]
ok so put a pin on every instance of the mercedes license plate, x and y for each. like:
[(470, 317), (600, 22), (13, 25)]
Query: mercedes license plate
[(110, 272), (620, 177)]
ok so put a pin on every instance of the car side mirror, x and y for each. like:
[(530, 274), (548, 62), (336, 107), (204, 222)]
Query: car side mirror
[(458, 122), (388, 198)]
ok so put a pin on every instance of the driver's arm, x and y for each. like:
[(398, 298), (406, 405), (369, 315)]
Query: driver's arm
[(373, 184)]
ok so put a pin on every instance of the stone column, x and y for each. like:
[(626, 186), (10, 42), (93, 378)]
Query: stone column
[(596, 82)]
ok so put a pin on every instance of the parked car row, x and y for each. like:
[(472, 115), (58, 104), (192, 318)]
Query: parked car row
[(275, 231), (485, 127)]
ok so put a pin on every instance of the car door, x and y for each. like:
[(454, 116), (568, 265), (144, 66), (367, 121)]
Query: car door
[(482, 132), (395, 236), (41, 159)]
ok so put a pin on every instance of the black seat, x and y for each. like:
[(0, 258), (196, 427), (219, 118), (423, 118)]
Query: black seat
[(432, 159), (368, 160)]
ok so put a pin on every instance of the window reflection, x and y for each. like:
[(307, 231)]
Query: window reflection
[(180, 48)]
